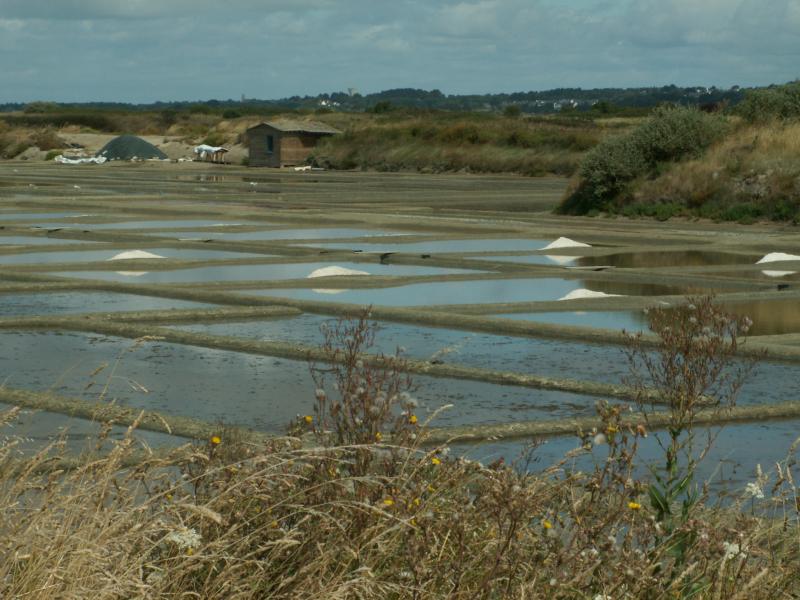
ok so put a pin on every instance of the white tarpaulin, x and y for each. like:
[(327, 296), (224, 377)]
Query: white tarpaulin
[(205, 150), (65, 160)]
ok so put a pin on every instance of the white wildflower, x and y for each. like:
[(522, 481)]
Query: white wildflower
[(599, 439), (320, 393), (731, 550), (185, 539), (753, 490)]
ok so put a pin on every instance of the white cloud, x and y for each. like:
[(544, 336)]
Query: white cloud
[(470, 19), (147, 9)]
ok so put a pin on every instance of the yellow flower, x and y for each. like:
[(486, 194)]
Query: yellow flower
[(547, 524), (412, 419), (435, 461), (413, 521), (612, 429), (216, 440), (431, 489), (378, 437), (274, 524), (388, 502), (416, 501), (168, 497), (308, 419), (189, 551), (634, 505)]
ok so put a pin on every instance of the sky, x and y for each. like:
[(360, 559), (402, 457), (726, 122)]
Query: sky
[(149, 50)]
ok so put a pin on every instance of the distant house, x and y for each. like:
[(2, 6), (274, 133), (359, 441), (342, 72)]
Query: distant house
[(284, 143)]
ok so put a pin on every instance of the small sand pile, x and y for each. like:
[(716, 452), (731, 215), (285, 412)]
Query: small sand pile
[(584, 293), (134, 254), (334, 270), (564, 242)]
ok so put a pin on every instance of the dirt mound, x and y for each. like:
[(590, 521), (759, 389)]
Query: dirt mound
[(130, 147)]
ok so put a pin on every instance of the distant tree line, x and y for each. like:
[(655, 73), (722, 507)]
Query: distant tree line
[(549, 101)]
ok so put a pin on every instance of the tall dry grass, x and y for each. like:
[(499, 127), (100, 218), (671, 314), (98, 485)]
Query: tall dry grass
[(439, 142), (752, 174), (349, 513)]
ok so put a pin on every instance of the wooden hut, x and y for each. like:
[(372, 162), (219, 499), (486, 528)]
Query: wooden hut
[(284, 143)]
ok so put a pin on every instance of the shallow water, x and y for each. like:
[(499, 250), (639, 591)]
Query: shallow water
[(730, 465), (64, 303), (12, 216), (253, 272), (102, 255), (255, 391), (34, 429), (152, 224), (682, 258), (770, 317), (472, 292), (31, 240), (771, 382), (289, 234), (463, 246), (552, 358), (686, 258), (621, 319)]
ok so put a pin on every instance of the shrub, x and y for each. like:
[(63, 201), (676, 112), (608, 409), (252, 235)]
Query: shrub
[(777, 102), (671, 134)]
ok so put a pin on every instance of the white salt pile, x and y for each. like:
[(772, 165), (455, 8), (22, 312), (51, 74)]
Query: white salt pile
[(584, 293), (777, 257), (328, 291), (564, 242), (133, 254), (334, 270)]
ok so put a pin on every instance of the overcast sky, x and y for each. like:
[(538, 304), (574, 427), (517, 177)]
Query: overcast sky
[(146, 50)]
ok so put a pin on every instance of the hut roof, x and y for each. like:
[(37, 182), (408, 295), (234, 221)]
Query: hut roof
[(288, 126), (127, 147)]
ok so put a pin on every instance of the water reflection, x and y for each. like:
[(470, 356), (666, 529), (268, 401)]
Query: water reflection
[(102, 255), (61, 303), (770, 317), (481, 291), (683, 258), (463, 246), (259, 272)]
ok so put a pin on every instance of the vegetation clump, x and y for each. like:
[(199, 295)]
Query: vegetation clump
[(742, 167), (775, 102), (607, 171)]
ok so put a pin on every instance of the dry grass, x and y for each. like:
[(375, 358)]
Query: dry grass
[(752, 174), (357, 515), (459, 142)]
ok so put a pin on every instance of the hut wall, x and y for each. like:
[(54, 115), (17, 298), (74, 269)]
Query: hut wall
[(288, 148), (257, 141), (296, 147)]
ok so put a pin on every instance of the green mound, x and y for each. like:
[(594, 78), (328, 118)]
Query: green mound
[(130, 147)]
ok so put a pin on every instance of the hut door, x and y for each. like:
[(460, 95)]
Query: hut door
[(270, 144)]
